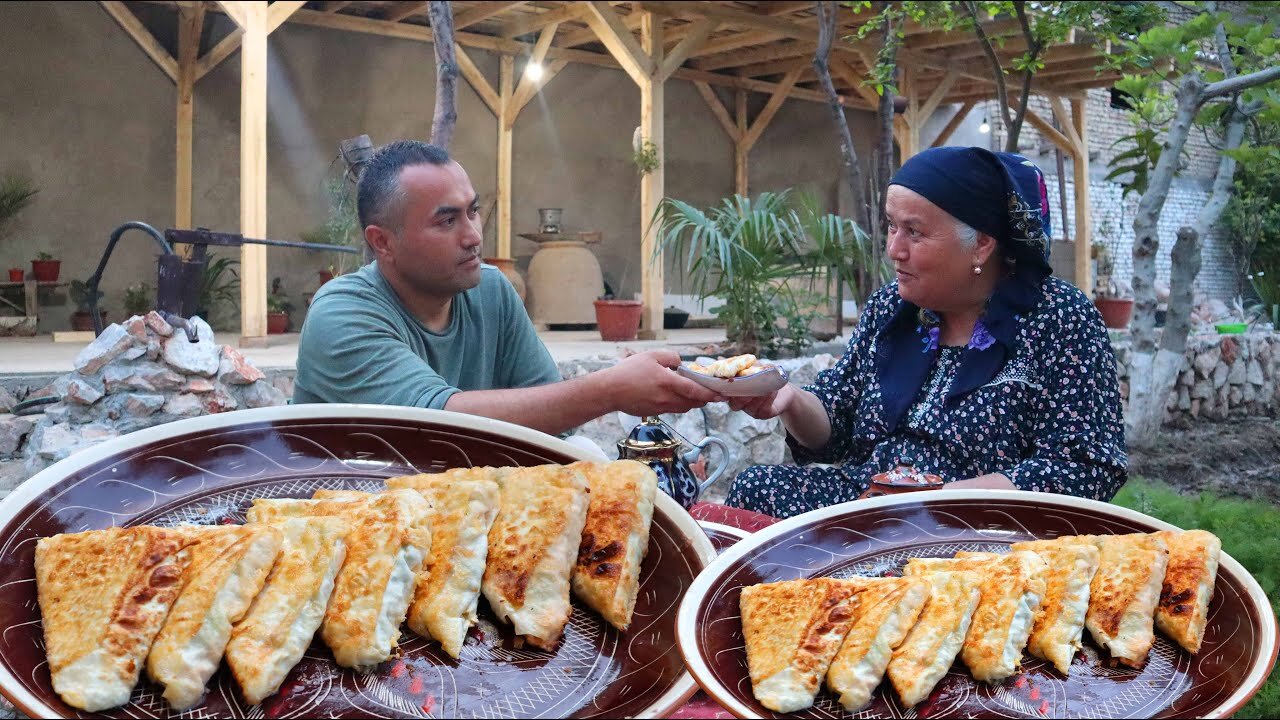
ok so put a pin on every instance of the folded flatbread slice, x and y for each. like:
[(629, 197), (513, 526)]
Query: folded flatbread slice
[(1012, 588), (265, 510), (104, 595), (730, 367), (886, 609), (933, 643), (280, 623), (1124, 593), (1059, 624), (793, 630), (229, 565), (1188, 586), (532, 547), (445, 600), (615, 538)]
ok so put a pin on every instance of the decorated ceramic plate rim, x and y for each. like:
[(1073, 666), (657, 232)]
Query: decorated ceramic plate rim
[(725, 529), (696, 594), (680, 691), (761, 383)]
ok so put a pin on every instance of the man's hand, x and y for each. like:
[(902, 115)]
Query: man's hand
[(765, 406), (644, 384)]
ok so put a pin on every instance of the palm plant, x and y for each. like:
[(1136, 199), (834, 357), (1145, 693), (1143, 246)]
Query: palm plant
[(219, 286), (16, 193), (837, 242)]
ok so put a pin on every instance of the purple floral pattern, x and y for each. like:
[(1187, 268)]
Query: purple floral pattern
[(1050, 420)]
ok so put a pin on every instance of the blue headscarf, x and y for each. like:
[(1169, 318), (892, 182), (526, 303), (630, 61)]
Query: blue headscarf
[(999, 194)]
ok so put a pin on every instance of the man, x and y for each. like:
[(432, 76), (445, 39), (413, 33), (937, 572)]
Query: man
[(427, 325)]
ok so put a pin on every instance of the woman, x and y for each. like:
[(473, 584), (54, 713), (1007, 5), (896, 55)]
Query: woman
[(975, 364)]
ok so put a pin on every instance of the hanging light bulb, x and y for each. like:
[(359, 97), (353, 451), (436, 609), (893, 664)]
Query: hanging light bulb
[(985, 127), (533, 71)]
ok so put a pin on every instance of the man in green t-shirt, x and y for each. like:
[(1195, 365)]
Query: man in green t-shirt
[(428, 325)]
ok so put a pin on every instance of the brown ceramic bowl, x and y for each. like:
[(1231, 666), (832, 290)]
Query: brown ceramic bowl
[(875, 538), (208, 469)]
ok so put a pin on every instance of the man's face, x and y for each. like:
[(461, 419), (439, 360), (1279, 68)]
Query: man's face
[(437, 248)]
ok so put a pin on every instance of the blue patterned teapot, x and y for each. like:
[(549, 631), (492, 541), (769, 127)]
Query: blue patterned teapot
[(657, 444)]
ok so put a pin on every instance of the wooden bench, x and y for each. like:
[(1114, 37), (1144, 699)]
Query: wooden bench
[(30, 296)]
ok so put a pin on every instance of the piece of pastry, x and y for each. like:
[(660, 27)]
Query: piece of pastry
[(793, 630), (104, 594), (280, 623), (265, 510), (885, 611), (229, 565), (1124, 594), (533, 545), (615, 538), (1188, 586), (1059, 624), (934, 641), (445, 599)]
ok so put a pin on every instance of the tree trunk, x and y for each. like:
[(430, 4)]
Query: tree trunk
[(884, 116), (446, 113)]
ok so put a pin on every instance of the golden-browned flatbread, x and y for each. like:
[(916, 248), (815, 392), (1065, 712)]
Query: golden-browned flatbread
[(532, 547), (1188, 586), (445, 600), (104, 595), (1059, 624), (280, 623), (265, 510), (1124, 594), (933, 643), (793, 629), (615, 538), (229, 564), (885, 611), (1012, 588)]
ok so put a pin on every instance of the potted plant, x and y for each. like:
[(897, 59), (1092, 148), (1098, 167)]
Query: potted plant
[(278, 309), (219, 286), (16, 193), (618, 320), (82, 319), (16, 274), (45, 268), (137, 299), (1115, 302)]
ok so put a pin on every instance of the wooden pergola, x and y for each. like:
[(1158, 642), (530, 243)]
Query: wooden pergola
[(743, 47)]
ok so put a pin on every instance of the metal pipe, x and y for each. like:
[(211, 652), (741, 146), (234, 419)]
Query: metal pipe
[(91, 287)]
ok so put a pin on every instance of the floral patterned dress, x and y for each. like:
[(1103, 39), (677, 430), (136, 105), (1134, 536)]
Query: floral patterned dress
[(1050, 420)]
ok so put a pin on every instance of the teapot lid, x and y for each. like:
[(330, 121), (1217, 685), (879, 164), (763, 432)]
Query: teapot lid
[(651, 434)]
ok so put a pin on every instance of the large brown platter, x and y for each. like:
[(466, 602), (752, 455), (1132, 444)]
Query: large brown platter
[(875, 538), (207, 470)]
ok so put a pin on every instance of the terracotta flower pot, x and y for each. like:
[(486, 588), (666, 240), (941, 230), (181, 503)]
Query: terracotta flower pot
[(46, 270), (1116, 312), (618, 320), (83, 321), (15, 274), (508, 268), (325, 276), (277, 323)]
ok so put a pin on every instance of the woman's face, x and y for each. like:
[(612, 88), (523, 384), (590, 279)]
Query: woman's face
[(934, 268)]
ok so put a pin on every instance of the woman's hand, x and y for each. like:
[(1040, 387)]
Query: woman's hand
[(765, 406), (990, 481)]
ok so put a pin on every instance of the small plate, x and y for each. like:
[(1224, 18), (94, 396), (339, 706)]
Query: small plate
[(762, 383), (722, 537), (875, 538)]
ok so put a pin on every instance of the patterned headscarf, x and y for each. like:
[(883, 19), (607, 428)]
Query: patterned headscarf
[(1002, 195)]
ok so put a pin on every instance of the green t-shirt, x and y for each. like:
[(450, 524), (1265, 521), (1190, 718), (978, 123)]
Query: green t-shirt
[(359, 344)]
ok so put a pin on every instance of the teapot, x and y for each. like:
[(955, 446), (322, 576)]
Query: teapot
[(655, 443)]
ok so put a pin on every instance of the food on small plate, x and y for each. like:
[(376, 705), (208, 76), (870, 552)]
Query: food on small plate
[(445, 599), (229, 564), (1059, 624), (615, 538), (280, 623), (265, 510), (933, 643), (1124, 594), (103, 596), (727, 368), (793, 630), (533, 545), (1189, 579), (886, 610)]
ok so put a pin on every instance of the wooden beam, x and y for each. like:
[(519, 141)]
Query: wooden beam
[(527, 84), (333, 6), (718, 109), (506, 83), (533, 23), (236, 10), (619, 41), (480, 12), (190, 23), (583, 36), (952, 124), (1047, 129), (935, 98), (1080, 177), (842, 69), (741, 154), (253, 173), (774, 9), (1064, 122), (729, 43), (775, 67), (739, 58), (279, 11), (218, 53), (966, 36), (403, 10), (770, 109), (477, 81), (143, 37), (652, 183), (548, 74), (696, 36)]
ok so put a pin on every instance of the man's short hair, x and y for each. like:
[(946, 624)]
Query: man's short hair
[(378, 193)]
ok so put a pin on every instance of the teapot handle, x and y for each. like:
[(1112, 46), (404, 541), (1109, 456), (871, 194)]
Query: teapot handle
[(724, 461)]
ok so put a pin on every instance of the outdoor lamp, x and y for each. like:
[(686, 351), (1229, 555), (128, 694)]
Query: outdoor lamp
[(985, 127), (533, 71)]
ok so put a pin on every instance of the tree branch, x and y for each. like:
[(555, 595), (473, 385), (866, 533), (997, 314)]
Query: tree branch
[(446, 113), (1231, 86), (826, 34), (1033, 51), (1002, 94)]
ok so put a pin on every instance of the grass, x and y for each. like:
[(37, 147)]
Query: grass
[(1250, 533)]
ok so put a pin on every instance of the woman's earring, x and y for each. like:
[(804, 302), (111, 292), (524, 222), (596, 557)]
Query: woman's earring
[(977, 269)]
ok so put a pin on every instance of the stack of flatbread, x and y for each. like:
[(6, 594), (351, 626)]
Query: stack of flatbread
[(984, 608), (725, 368), (353, 566)]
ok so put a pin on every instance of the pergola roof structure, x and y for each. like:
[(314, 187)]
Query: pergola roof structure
[(762, 47)]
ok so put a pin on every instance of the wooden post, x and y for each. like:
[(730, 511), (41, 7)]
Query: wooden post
[(1080, 176), (253, 174), (506, 118), (910, 141), (190, 21), (652, 184), (740, 152)]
